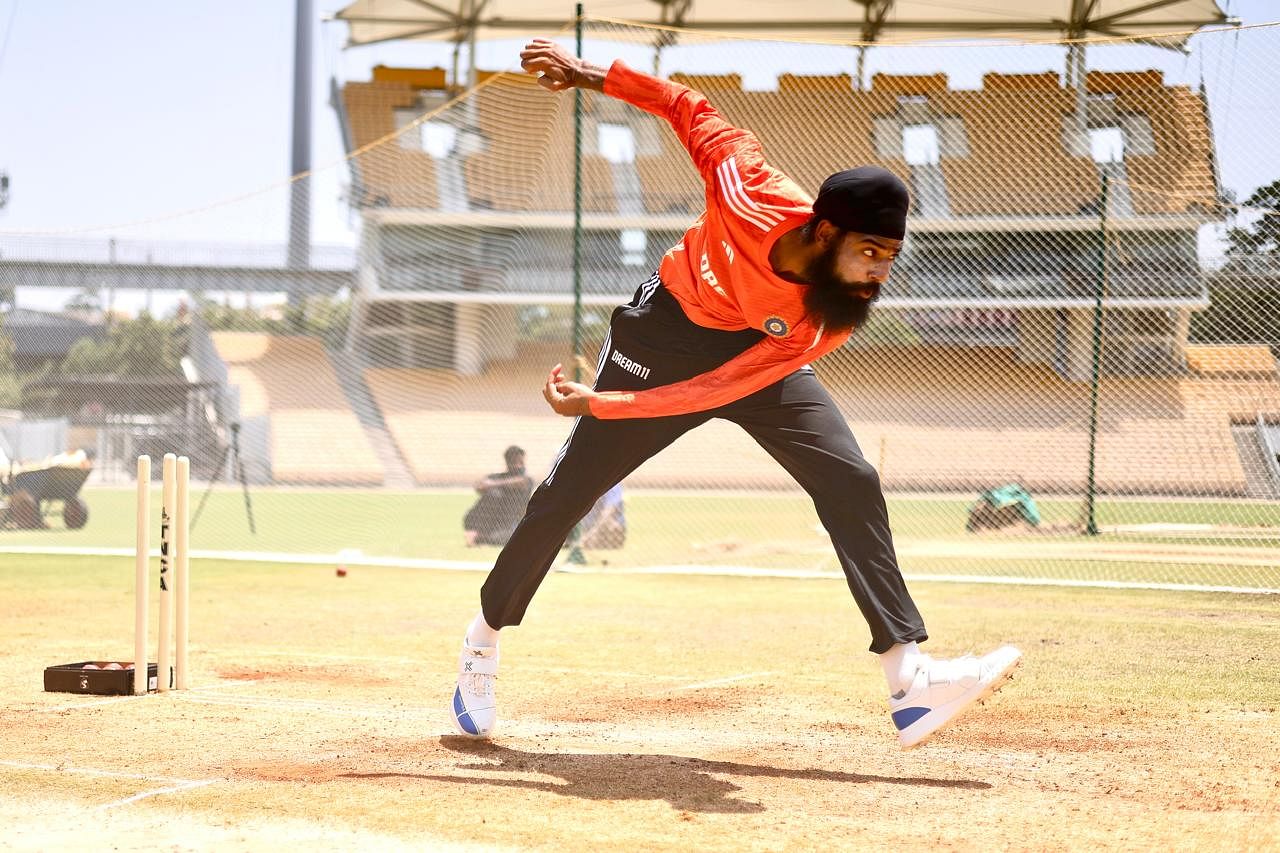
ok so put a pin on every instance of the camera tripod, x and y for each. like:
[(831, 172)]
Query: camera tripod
[(230, 453)]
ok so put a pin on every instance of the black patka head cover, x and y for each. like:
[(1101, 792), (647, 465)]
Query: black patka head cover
[(868, 199)]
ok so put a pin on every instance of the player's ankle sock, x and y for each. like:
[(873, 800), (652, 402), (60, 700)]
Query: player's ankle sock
[(480, 634), (900, 664)]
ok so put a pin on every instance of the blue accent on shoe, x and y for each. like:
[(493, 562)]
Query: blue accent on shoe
[(906, 716), (460, 713)]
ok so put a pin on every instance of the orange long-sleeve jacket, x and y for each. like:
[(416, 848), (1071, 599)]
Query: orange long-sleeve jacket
[(719, 272)]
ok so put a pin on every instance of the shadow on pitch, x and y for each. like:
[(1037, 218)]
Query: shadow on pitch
[(688, 784)]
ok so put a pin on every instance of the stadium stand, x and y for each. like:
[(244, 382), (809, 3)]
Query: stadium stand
[(315, 437)]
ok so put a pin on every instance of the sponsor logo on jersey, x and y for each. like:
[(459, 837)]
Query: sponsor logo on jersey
[(632, 367)]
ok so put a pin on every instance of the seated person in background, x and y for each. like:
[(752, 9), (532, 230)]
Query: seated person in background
[(606, 524), (501, 504)]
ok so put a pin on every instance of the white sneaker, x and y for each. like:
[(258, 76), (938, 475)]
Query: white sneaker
[(475, 711), (942, 690)]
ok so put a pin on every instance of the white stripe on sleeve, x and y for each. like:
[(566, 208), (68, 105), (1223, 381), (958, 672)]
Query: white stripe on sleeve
[(770, 215), (731, 199)]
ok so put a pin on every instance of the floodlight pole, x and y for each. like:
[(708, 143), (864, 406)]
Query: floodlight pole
[(300, 189), (1091, 526)]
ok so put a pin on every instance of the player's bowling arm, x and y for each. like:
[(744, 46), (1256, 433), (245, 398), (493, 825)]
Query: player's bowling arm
[(557, 69), (705, 134)]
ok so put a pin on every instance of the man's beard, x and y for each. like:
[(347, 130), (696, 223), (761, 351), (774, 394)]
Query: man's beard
[(830, 300)]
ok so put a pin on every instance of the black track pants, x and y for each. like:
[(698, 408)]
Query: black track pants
[(651, 343)]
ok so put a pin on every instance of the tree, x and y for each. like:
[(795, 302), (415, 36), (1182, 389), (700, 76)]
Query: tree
[(319, 316), (1244, 296), (142, 347), (1262, 237), (10, 384)]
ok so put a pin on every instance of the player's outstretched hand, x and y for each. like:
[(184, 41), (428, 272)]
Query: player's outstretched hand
[(566, 397), (557, 69)]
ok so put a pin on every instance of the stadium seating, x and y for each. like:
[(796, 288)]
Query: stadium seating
[(930, 418), (1247, 361), (1016, 162), (937, 418), (315, 437), (389, 175)]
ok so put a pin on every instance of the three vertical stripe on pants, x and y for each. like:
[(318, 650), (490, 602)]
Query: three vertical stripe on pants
[(643, 295)]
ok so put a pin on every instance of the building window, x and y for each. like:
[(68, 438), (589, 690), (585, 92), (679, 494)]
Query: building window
[(1106, 144), (633, 242), (616, 143), (439, 139), (920, 144)]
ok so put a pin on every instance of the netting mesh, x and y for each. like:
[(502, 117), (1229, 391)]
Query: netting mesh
[(1080, 310)]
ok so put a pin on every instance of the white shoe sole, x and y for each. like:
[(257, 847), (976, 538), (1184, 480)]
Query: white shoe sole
[(939, 718)]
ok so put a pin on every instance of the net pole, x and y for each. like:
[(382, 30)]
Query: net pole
[(577, 210), (1091, 526), (576, 557)]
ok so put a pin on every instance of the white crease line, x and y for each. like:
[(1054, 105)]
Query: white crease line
[(238, 682), (719, 681), (263, 700), (308, 707), (517, 667), (591, 673), (317, 655), (78, 705), (110, 774), (113, 700), (158, 791)]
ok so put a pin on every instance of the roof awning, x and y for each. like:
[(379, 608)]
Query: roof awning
[(882, 21)]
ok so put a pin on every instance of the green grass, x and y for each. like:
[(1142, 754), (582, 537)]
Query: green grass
[(768, 531)]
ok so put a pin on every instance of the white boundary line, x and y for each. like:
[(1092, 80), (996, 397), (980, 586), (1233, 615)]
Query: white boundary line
[(176, 786), (348, 559), (1008, 580), (691, 570)]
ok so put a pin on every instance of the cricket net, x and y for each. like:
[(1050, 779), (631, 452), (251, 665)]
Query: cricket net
[(1071, 375)]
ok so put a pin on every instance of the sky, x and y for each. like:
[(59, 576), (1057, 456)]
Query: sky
[(119, 111)]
